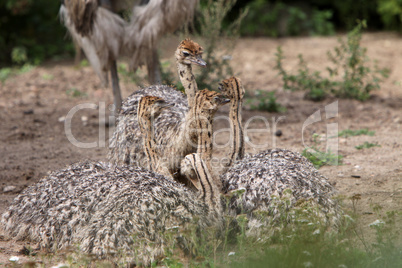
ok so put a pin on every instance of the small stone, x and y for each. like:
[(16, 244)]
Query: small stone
[(14, 259), (9, 188), (60, 265), (62, 119), (307, 264), (377, 223), (278, 133), (29, 111), (84, 120)]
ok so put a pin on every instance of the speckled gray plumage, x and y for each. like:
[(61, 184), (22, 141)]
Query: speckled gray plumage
[(105, 209), (269, 174), (126, 143)]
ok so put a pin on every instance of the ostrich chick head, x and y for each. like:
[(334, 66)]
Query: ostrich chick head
[(189, 52), (208, 102), (232, 88)]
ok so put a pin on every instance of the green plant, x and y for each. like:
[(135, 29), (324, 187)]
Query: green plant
[(391, 13), (358, 78), (316, 86), (265, 19), (47, 76), (128, 76), (75, 93), (319, 157), (367, 145), (85, 63), (31, 33), (25, 68), (19, 55), (305, 242), (320, 23), (5, 73), (349, 58), (295, 21), (261, 12), (266, 102), (350, 133), (212, 15), (297, 237)]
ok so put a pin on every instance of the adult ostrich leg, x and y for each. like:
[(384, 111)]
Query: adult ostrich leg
[(105, 36)]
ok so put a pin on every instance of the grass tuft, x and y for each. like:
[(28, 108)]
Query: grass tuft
[(350, 133), (367, 145), (319, 157), (75, 93)]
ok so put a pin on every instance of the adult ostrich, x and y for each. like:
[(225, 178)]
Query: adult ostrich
[(98, 29)]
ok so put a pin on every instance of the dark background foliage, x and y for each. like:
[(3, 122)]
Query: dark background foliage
[(31, 27), (30, 31)]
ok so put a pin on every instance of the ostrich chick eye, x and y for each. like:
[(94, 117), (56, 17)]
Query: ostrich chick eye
[(185, 53)]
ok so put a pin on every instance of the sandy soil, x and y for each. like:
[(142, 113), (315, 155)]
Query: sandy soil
[(33, 107)]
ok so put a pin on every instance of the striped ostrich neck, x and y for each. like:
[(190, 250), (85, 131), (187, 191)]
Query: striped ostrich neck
[(145, 123), (188, 81), (234, 90), (189, 53), (203, 126), (237, 149), (208, 190), (204, 141)]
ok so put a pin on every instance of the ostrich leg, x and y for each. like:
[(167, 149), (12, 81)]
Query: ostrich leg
[(116, 87), (154, 68)]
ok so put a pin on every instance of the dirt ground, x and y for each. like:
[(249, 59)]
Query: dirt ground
[(34, 105)]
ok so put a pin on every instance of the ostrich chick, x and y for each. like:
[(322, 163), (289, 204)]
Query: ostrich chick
[(271, 174)]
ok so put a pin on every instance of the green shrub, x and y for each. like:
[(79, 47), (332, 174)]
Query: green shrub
[(358, 78), (316, 86), (391, 13), (30, 31), (266, 101), (262, 13), (264, 19), (350, 60), (321, 23)]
